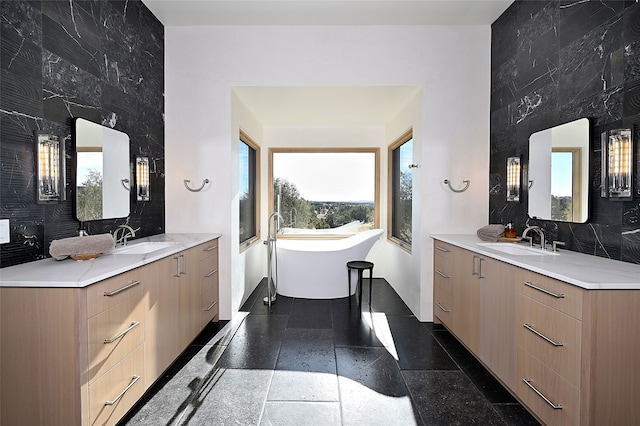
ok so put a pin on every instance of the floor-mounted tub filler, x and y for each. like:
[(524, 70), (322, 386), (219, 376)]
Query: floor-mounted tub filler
[(317, 269)]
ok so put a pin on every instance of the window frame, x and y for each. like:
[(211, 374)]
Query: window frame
[(404, 138), (374, 150), (247, 140)]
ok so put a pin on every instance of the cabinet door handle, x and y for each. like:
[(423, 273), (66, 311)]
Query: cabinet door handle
[(442, 249), (480, 260), (114, 292), (554, 406), (545, 291), (442, 274), (537, 333), (442, 307), (134, 379), (177, 259), (213, 271), (211, 306), (473, 265), (211, 248), (183, 270), (131, 327)]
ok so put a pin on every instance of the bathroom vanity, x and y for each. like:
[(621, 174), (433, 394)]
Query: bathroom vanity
[(559, 330), (82, 341)]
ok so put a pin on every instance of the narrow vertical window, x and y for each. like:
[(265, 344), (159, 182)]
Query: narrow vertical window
[(248, 190), (401, 190)]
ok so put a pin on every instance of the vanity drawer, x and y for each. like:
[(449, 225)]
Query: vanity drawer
[(209, 279), (104, 405), (210, 248), (208, 266), (113, 334), (557, 294), (442, 273), (551, 337), (443, 306), (443, 249), (551, 386), (110, 292), (209, 302)]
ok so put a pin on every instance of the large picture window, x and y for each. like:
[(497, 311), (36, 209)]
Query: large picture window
[(401, 190), (248, 153), (324, 191)]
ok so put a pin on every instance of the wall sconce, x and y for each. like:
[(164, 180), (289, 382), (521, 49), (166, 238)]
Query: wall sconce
[(49, 159), (142, 179), (513, 179), (617, 164)]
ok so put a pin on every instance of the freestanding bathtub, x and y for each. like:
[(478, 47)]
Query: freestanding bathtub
[(317, 269)]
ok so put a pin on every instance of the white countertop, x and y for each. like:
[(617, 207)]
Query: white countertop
[(71, 273), (582, 270)]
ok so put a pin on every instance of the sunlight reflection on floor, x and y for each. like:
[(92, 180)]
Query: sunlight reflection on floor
[(377, 321)]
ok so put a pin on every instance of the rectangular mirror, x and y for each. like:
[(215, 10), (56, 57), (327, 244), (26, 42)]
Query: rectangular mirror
[(559, 172), (102, 172)]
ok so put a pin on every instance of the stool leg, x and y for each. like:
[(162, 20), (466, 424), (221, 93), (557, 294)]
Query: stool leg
[(349, 290), (360, 284), (370, 288)]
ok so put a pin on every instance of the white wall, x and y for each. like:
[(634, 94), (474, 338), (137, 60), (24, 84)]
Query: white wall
[(400, 267), (248, 266), (202, 64)]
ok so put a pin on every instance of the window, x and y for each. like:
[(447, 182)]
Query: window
[(248, 171), (324, 191), (401, 190)]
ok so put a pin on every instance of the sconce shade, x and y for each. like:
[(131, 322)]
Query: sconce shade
[(48, 166), (617, 164), (513, 179), (142, 179)]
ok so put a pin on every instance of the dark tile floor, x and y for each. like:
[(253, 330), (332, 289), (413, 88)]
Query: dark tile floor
[(322, 362)]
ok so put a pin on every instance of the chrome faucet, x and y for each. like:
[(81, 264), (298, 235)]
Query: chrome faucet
[(539, 231), (127, 232)]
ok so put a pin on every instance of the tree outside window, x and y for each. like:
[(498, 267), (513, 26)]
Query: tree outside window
[(401, 157)]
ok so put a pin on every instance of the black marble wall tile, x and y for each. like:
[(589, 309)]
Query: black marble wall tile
[(574, 59), (60, 60)]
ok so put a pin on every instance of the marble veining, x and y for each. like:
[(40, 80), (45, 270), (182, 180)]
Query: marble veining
[(98, 60), (572, 59)]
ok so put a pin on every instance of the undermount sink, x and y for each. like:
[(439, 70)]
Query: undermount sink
[(517, 250), (144, 248)]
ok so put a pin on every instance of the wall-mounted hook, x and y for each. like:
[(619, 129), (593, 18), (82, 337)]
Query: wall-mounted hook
[(413, 166), (530, 183), (188, 181), (125, 184), (465, 182)]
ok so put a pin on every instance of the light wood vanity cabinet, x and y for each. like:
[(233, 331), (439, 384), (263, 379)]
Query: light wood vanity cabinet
[(482, 294), (443, 283), (497, 346), (567, 353), (549, 334), (208, 268), (84, 356), (67, 351), (466, 297)]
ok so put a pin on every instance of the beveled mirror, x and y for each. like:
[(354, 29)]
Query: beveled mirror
[(559, 172), (102, 172)]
